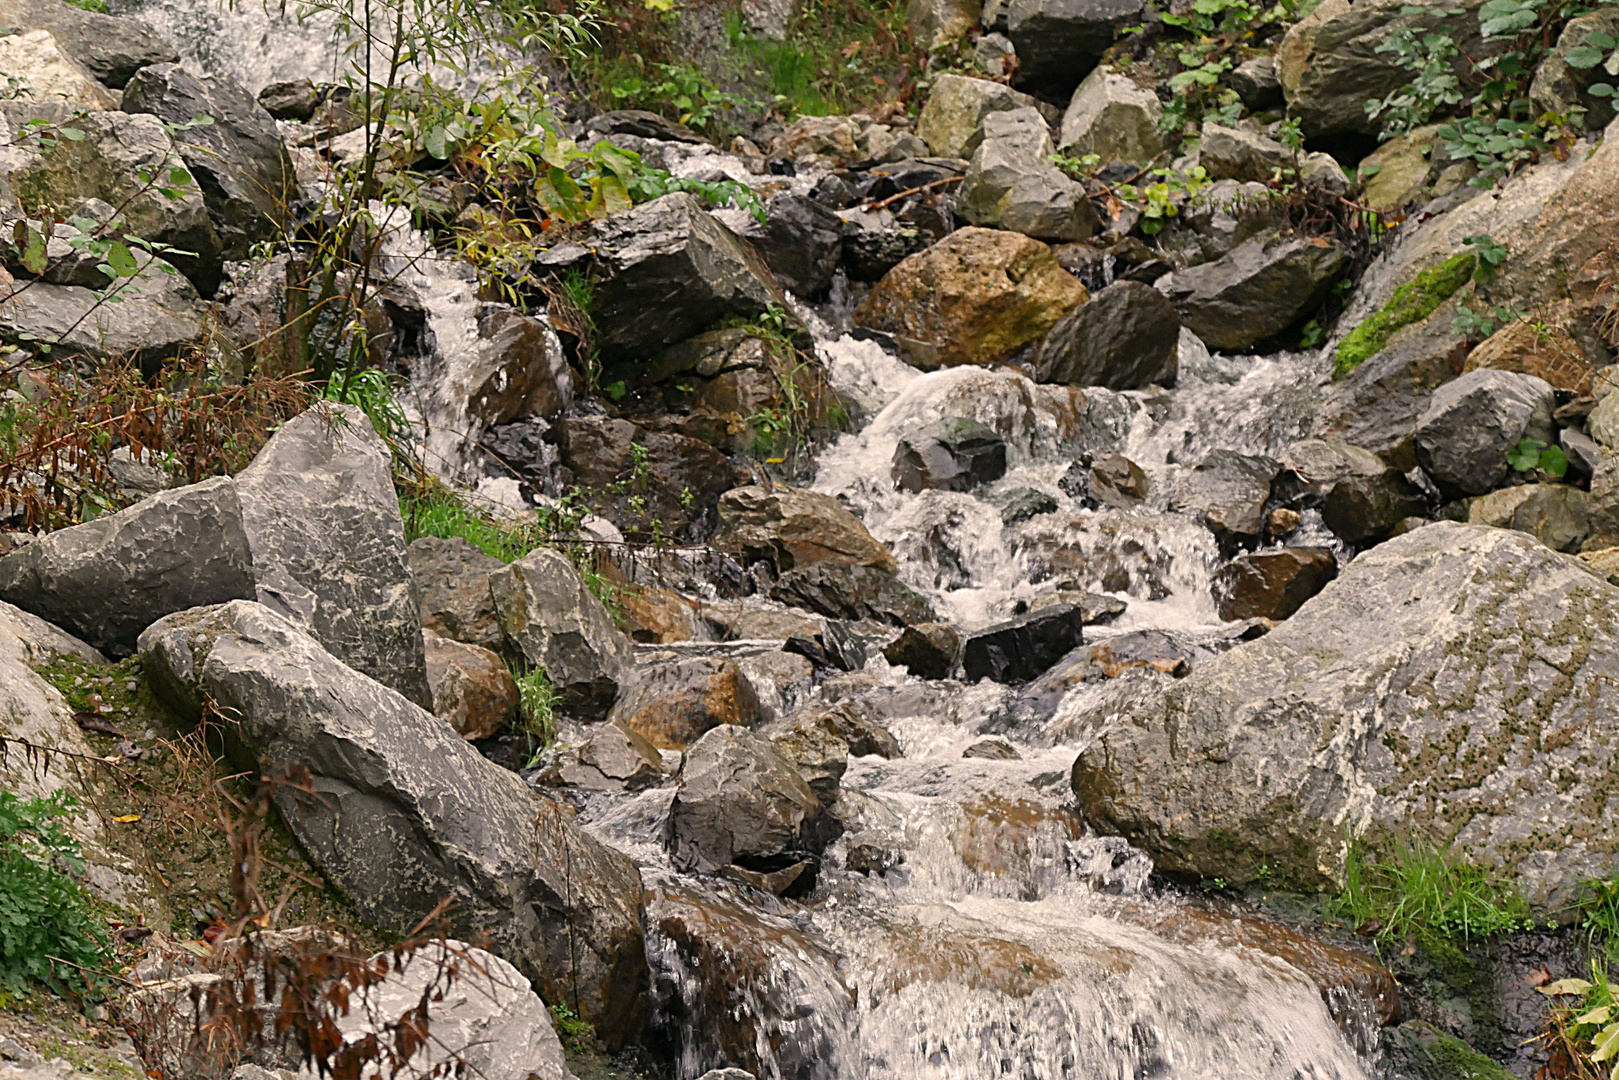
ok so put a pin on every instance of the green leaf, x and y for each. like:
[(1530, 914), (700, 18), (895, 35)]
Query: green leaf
[(434, 141), (1553, 462), (1582, 57), (1565, 986), (32, 245), (1600, 90), (1525, 457), (121, 260), (1606, 1043), (1595, 1016), (71, 134)]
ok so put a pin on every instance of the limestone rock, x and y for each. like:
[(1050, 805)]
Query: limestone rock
[(111, 48), (611, 759), (1229, 153), (1126, 337), (452, 580), (841, 591), (1471, 424), (1059, 41), (952, 120), (1112, 117), (157, 315), (1395, 173), (671, 705), (973, 298), (793, 527), (1012, 184), (1262, 287), (44, 73), (1360, 498), (1228, 492), (1256, 84), (1554, 514), (472, 690), (1023, 648)]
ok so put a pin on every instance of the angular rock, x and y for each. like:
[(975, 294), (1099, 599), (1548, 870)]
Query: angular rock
[(820, 756), (1562, 88), (1025, 503), (1228, 492), (612, 759), (452, 579), (831, 139), (934, 22), (1012, 184), (801, 241), (1256, 84), (1473, 422), (511, 367), (328, 543), (405, 812), (1272, 584), (641, 123), (1228, 153), (65, 263), (294, 100), (111, 48), (1359, 497), (1392, 707), (1106, 480), (1603, 423), (633, 476), (1021, 649), (792, 527), (655, 616), (110, 578), (244, 171), (42, 72), (666, 270), (1214, 221), (1396, 173), (156, 316), (841, 591), (1059, 41), (740, 802), (1554, 514), (952, 120), (1262, 287), (672, 705), (550, 618), (473, 691), (927, 650), (992, 750), (1112, 117), (952, 454), (975, 297), (1125, 337)]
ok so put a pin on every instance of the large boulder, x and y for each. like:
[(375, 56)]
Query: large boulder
[(952, 121), (1113, 118), (1262, 287), (401, 812), (1023, 648), (1453, 686), (1228, 492), (1012, 184), (328, 543), (634, 477), (841, 591), (1360, 498), (109, 47), (1126, 337), (672, 705), (152, 316), (800, 240), (1474, 421), (452, 583), (39, 70), (108, 579), (666, 270), (553, 622), (239, 160), (792, 527), (1059, 41), (1228, 153), (975, 297), (117, 149), (952, 454)]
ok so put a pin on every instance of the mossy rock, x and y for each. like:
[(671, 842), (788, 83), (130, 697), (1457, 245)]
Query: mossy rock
[(1418, 1050), (1411, 303)]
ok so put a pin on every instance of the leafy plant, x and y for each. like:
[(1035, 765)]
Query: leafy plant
[(373, 393), (1601, 918), (574, 1030), (1590, 54), (1160, 200), (538, 704), (1478, 325), (1490, 256), (1425, 891), (49, 934), (1532, 454), (1584, 1034)]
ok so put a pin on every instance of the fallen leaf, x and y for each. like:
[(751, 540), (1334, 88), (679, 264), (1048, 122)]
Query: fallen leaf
[(125, 819), (1565, 986), (89, 721)]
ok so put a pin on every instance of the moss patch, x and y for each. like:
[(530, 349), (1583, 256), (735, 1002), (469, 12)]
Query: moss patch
[(1412, 302)]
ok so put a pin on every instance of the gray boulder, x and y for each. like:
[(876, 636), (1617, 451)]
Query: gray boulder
[(1256, 84), (1453, 686), (452, 582), (551, 619), (1228, 492), (1124, 338), (1473, 422), (952, 121), (107, 46), (1012, 184), (1023, 648), (1058, 42), (405, 813), (1360, 498), (1229, 153), (953, 454), (1105, 480), (1561, 88), (152, 316), (328, 543), (1112, 117), (741, 803), (843, 591), (1213, 222), (107, 580), (1555, 514), (613, 758), (1262, 287), (666, 270), (927, 650), (800, 240), (239, 160)]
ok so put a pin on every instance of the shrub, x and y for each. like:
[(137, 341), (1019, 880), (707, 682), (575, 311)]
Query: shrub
[(48, 932)]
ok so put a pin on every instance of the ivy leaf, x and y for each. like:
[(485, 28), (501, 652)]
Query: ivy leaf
[(1525, 457), (1582, 57)]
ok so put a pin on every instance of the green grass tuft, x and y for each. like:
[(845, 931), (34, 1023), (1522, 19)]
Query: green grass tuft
[(444, 515), (1427, 892), (1411, 303)]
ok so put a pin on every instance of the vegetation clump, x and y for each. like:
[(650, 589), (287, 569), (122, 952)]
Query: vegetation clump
[(1426, 892), (1411, 303), (50, 934)]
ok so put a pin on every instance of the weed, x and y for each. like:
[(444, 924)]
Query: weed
[(1532, 454), (538, 703), (1425, 891), (574, 1030), (440, 512), (49, 934), (1582, 1027), (1601, 919)]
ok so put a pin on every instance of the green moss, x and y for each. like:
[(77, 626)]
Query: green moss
[(1412, 302)]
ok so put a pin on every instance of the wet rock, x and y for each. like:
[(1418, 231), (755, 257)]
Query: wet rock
[(157, 315), (1554, 514), (1021, 649), (927, 650), (668, 269), (472, 690), (452, 580), (1012, 184), (858, 725), (1059, 41), (42, 71), (1099, 609), (1113, 118), (1256, 84), (641, 123), (741, 802), (550, 618), (992, 750), (792, 527), (238, 161), (952, 454), (394, 787), (295, 100), (872, 852), (952, 120), (656, 616), (814, 748), (110, 578), (1108, 479), (1418, 1049), (1359, 497), (1229, 153), (801, 241), (671, 705), (513, 368), (973, 298), (1561, 88), (1414, 661), (874, 249), (613, 758), (844, 648), (323, 523), (635, 476), (1228, 492), (1272, 584), (1213, 222), (1472, 423), (1124, 338), (1151, 650), (1262, 287), (111, 48), (1025, 503), (844, 591)]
